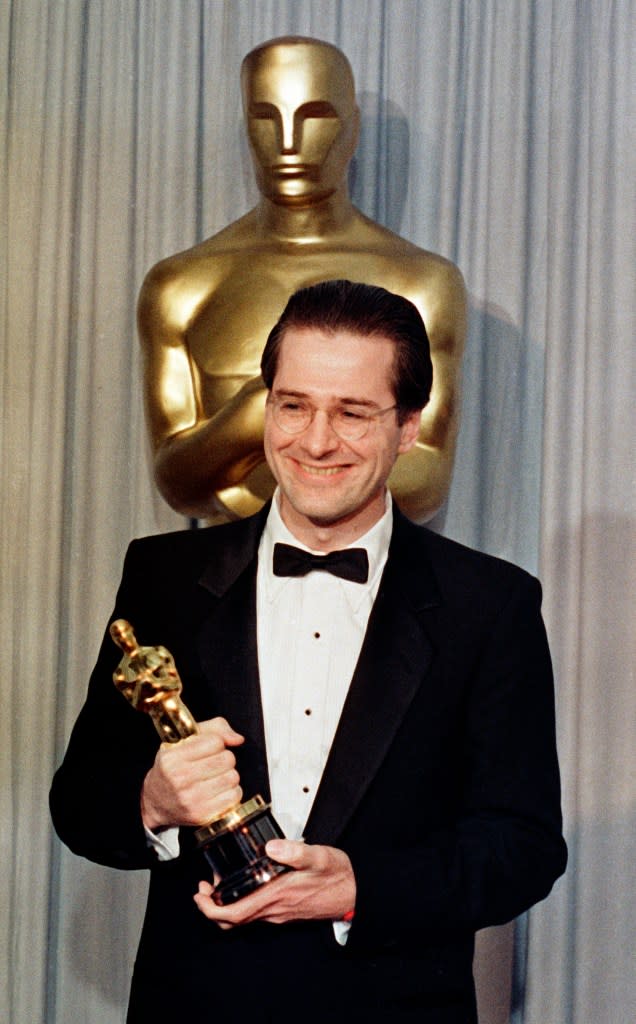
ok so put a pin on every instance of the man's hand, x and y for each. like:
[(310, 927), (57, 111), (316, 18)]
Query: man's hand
[(194, 780), (322, 885)]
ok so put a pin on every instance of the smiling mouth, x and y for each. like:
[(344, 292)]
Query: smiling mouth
[(321, 470)]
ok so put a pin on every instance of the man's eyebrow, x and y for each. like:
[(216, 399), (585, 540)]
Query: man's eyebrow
[(364, 403), (289, 392)]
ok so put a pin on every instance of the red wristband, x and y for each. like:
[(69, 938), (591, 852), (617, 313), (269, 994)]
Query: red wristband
[(349, 916)]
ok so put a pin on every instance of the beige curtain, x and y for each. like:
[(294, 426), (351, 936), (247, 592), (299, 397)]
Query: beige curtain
[(497, 132), (582, 941)]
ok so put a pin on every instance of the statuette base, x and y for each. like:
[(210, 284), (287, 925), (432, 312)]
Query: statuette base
[(234, 847)]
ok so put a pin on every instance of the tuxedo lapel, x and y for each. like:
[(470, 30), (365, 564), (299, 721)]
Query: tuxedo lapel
[(227, 646), (393, 663)]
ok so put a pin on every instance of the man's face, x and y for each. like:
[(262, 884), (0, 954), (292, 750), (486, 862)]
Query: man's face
[(325, 481), (302, 121)]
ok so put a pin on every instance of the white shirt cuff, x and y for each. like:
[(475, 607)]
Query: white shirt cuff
[(165, 844), (341, 931)]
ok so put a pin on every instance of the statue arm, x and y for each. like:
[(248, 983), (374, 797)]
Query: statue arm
[(194, 455), (421, 478)]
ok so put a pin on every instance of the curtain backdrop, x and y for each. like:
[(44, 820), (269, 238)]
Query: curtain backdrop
[(499, 133)]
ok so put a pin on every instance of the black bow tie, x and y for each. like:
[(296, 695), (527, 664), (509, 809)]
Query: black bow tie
[(350, 564)]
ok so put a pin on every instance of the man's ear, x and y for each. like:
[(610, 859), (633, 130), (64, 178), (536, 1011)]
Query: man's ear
[(409, 430)]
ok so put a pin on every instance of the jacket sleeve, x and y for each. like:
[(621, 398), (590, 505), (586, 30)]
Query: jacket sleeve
[(502, 848), (95, 795)]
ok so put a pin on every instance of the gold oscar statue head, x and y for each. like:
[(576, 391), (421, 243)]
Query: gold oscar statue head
[(302, 119)]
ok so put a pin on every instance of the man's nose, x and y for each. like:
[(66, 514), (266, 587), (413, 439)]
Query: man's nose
[(320, 438)]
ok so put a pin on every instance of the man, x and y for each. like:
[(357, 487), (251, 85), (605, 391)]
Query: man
[(204, 314), (402, 718)]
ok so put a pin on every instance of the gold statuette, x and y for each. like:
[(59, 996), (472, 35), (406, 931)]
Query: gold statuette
[(148, 679), (234, 842)]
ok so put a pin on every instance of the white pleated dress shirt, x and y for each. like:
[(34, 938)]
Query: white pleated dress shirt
[(310, 631)]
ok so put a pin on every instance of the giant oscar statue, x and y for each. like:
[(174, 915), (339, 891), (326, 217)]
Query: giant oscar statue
[(204, 314)]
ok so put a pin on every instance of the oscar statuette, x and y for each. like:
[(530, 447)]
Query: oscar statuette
[(233, 843)]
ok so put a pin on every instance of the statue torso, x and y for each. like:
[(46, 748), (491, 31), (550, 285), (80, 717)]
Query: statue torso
[(240, 283), (218, 301)]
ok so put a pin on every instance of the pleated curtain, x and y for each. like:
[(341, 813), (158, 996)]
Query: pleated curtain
[(499, 133)]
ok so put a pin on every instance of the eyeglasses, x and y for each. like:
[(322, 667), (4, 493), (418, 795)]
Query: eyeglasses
[(293, 415)]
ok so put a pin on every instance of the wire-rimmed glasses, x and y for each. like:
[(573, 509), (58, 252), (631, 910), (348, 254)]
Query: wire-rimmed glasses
[(350, 423)]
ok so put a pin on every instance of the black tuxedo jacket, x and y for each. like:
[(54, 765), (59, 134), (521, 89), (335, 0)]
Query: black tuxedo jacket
[(442, 782)]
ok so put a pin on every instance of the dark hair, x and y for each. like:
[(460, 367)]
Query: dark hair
[(372, 312)]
